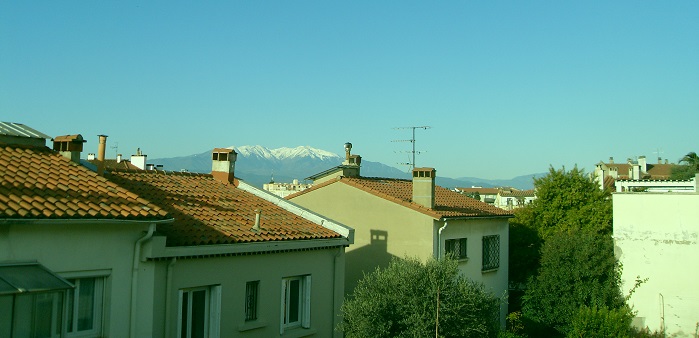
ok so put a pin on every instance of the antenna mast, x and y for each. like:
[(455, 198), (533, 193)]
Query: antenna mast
[(412, 140)]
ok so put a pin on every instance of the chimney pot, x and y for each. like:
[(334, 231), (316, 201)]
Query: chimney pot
[(256, 227), (100, 154)]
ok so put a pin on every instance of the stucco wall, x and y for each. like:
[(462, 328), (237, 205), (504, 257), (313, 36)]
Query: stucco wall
[(657, 237), (384, 229), (232, 274), (84, 249)]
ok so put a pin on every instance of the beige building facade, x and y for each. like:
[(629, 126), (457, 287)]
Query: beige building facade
[(395, 218)]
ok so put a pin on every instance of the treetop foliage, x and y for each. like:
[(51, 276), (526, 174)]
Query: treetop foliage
[(567, 200), (412, 299)]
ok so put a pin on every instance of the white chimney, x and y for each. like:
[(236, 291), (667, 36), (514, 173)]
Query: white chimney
[(424, 186), (139, 160)]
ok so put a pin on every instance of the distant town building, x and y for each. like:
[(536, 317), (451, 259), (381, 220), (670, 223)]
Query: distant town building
[(285, 189), (606, 174), (506, 198)]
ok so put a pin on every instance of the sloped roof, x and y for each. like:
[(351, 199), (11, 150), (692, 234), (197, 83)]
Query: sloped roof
[(20, 130), (38, 183), (482, 191), (518, 193), (448, 203), (207, 211), (110, 164)]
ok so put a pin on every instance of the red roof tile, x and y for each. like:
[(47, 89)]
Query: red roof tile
[(207, 211), (447, 203), (38, 183)]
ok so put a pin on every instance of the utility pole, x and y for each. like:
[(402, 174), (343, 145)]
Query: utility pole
[(412, 140)]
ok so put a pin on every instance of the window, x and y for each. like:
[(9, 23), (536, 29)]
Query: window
[(296, 302), (251, 300), (84, 307), (198, 314), (456, 247), (491, 252)]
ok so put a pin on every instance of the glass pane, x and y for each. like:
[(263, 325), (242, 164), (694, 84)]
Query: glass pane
[(5, 315), (294, 300), (198, 313), (70, 306), (86, 304), (185, 314)]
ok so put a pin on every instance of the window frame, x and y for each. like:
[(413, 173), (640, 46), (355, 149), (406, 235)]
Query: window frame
[(252, 300), (490, 252), (451, 243), (212, 308), (72, 300), (304, 303)]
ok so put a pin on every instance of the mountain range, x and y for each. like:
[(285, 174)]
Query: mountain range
[(258, 165)]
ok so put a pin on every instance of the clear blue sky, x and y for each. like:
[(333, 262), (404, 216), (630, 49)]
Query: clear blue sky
[(508, 88)]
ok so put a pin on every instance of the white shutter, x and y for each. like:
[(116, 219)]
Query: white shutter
[(306, 321), (215, 312), (283, 309)]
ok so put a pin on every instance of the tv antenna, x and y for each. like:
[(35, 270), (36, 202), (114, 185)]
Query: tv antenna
[(116, 149), (658, 152), (412, 140)]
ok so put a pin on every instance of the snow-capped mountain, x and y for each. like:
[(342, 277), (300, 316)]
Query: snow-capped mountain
[(258, 165), (284, 152)]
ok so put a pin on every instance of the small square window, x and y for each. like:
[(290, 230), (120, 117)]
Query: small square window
[(456, 248)]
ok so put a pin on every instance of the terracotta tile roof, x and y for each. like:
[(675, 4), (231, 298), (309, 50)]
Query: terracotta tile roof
[(482, 191), (207, 211), (517, 193), (38, 183), (659, 171), (110, 164), (447, 203)]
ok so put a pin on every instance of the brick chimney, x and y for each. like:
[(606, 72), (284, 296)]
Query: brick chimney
[(351, 164), (69, 146), (223, 164), (423, 186)]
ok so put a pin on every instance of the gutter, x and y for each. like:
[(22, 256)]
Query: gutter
[(134, 278), (157, 248)]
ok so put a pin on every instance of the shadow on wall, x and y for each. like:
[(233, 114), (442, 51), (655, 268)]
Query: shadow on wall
[(366, 259)]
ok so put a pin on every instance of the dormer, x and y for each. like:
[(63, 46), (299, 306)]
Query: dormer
[(69, 146)]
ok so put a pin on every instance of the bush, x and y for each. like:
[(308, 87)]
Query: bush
[(412, 299), (601, 322)]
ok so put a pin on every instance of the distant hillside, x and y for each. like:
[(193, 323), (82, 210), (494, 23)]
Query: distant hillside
[(257, 165)]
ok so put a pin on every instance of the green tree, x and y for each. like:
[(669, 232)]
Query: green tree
[(412, 299), (578, 268), (566, 200), (689, 166), (601, 322)]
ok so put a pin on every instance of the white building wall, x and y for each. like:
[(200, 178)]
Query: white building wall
[(82, 249), (657, 237)]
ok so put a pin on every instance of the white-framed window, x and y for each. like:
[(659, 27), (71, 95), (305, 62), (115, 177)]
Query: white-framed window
[(456, 247), (37, 314), (491, 252), (251, 300), (84, 304), (296, 302), (199, 312)]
